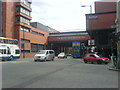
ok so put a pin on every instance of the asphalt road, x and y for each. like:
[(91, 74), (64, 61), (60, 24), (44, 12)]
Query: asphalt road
[(57, 74)]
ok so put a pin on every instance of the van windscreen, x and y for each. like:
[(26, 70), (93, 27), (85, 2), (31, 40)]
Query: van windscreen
[(41, 52)]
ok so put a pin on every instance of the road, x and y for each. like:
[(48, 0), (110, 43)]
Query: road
[(57, 74)]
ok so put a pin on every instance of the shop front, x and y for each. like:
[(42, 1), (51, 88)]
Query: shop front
[(63, 42)]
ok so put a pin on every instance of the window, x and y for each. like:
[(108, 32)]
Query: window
[(1, 41), (36, 47), (37, 33), (25, 2), (25, 51), (25, 41), (17, 9), (92, 56), (24, 20), (51, 52), (5, 41), (3, 51), (17, 51), (24, 29)]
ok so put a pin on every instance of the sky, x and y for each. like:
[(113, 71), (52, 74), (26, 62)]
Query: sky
[(62, 15)]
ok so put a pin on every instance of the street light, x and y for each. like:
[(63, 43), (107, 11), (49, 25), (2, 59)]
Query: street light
[(88, 6)]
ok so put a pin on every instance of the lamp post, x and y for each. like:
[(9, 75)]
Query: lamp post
[(88, 6)]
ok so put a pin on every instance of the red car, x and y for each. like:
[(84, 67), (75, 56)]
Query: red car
[(91, 57)]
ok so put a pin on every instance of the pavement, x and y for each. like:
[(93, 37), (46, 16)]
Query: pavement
[(111, 67)]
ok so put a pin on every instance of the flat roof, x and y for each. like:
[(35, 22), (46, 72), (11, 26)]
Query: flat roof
[(69, 33)]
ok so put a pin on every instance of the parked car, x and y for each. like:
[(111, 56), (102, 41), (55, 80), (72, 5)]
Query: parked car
[(62, 55), (44, 55), (92, 57)]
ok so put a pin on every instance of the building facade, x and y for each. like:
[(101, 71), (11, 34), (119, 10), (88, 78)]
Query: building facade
[(62, 42), (16, 24), (101, 26)]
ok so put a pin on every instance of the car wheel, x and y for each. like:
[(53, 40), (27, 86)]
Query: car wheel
[(53, 59), (106, 63), (85, 61), (99, 62)]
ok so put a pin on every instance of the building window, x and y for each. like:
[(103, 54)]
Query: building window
[(24, 29), (25, 51), (25, 11), (25, 2), (36, 47), (37, 33), (25, 41), (24, 20)]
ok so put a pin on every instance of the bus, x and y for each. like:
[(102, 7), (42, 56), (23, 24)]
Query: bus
[(9, 49), (77, 49)]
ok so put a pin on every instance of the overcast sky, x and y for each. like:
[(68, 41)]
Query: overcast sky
[(62, 15)]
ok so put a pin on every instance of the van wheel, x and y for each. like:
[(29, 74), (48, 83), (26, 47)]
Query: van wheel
[(53, 59), (45, 60), (11, 58)]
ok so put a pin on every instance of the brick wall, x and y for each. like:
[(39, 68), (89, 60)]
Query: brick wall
[(105, 7), (9, 19)]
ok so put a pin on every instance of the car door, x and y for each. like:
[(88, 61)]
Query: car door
[(92, 58)]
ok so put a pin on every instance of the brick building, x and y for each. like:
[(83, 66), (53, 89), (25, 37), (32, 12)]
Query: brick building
[(16, 17), (101, 26)]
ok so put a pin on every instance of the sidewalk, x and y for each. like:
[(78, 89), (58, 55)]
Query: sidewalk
[(112, 67)]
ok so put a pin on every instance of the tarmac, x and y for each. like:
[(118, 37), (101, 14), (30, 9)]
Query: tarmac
[(110, 66)]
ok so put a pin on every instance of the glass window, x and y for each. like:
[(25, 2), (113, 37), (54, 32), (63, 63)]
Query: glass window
[(51, 52), (1, 41), (17, 51), (92, 56), (3, 51), (17, 9)]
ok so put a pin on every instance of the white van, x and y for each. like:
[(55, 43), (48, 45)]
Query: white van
[(44, 55)]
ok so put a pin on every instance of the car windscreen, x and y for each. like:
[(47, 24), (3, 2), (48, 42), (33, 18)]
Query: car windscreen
[(42, 52)]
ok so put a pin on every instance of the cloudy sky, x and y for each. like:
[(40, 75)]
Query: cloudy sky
[(62, 15)]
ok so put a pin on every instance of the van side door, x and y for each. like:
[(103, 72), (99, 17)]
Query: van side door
[(52, 54)]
